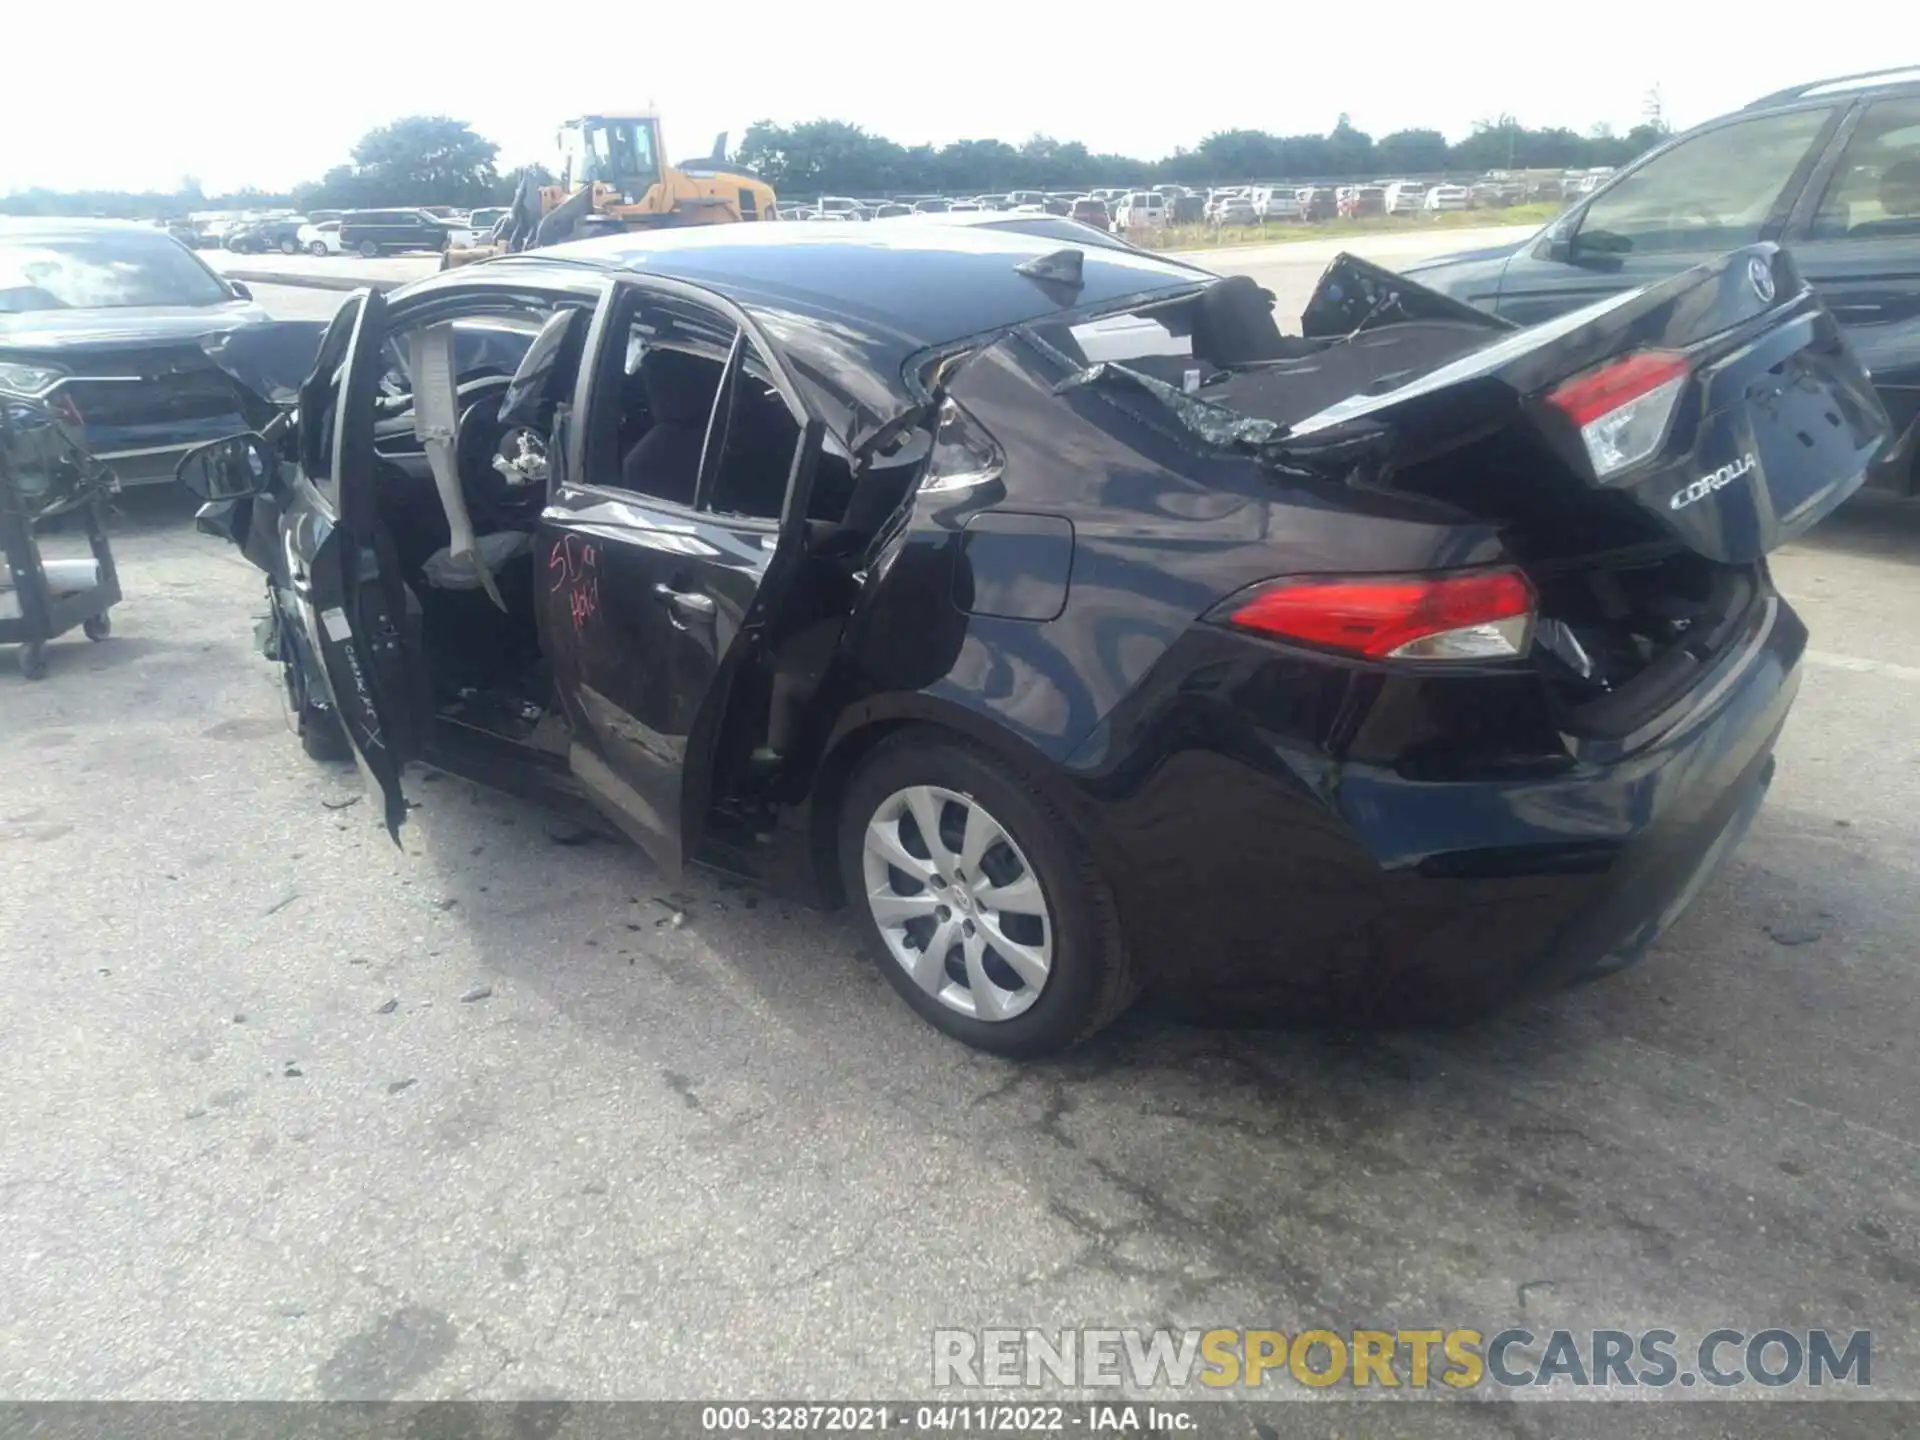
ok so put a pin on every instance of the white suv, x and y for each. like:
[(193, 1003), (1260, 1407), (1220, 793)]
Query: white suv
[(1141, 210), (1275, 202)]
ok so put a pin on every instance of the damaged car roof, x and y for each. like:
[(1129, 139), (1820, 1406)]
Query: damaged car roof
[(890, 291)]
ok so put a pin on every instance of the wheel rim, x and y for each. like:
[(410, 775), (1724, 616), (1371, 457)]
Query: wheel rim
[(957, 903)]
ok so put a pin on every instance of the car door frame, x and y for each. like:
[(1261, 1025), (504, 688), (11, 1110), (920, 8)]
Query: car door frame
[(669, 822), (1583, 283), (1899, 466), (356, 606)]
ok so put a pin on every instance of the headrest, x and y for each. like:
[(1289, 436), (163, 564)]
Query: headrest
[(680, 387), (1900, 188), (1233, 324)]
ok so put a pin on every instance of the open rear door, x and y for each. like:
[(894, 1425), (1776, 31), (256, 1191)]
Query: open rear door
[(364, 622), (649, 612)]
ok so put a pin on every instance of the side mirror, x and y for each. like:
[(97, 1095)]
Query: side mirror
[(240, 290), (1558, 243), (236, 468)]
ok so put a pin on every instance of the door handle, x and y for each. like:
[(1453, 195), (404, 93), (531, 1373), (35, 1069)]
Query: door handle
[(685, 606)]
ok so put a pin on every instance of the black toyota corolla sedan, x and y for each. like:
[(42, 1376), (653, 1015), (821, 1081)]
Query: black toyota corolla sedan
[(1057, 612)]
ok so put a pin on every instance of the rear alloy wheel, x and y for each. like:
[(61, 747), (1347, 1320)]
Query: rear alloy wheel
[(317, 248), (987, 913), (368, 249), (289, 247)]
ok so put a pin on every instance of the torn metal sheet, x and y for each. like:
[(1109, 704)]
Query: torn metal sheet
[(269, 362)]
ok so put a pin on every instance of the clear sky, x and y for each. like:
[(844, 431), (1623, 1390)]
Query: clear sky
[(272, 93)]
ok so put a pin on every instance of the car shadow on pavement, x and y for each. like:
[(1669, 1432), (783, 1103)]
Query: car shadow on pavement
[(1873, 525), (1564, 1154)]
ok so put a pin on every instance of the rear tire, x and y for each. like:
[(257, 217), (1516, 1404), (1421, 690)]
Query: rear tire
[(289, 247), (97, 627), (369, 250), (321, 737), (317, 249), (1059, 921)]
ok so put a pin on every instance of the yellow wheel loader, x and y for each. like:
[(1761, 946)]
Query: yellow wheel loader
[(615, 176)]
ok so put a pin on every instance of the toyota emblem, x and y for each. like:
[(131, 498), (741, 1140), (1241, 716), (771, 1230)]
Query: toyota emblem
[(1760, 276)]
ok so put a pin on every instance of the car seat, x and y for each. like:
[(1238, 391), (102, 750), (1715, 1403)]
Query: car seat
[(1899, 202), (665, 462)]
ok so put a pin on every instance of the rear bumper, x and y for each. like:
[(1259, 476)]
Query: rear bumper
[(1252, 875)]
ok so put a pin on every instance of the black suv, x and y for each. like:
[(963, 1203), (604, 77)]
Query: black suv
[(1829, 169), (381, 232), (281, 232)]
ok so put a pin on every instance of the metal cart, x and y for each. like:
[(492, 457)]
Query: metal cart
[(46, 473)]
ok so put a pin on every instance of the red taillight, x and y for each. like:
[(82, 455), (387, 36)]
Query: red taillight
[(1622, 408), (1585, 398), (1477, 615)]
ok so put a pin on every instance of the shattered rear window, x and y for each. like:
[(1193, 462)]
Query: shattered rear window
[(1121, 338)]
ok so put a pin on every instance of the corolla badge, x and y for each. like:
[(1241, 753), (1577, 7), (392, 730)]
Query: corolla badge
[(1760, 276), (1707, 484)]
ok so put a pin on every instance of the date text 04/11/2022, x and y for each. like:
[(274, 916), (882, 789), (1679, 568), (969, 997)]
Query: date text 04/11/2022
[(962, 1419)]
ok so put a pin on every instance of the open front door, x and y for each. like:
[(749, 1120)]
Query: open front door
[(647, 610), (363, 619)]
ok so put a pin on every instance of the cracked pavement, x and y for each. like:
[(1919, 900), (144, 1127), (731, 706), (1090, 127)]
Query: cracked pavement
[(294, 1114)]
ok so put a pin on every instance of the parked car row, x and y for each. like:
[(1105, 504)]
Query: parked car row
[(847, 208), (1152, 207), (333, 232)]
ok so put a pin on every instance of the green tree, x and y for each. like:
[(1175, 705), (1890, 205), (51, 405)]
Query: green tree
[(1307, 157), (429, 159), (1240, 154), (1349, 151), (1553, 147), (821, 157), (1412, 152), (976, 167), (417, 160), (508, 184), (1493, 145)]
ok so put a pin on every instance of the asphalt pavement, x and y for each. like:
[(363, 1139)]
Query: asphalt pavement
[(291, 1112)]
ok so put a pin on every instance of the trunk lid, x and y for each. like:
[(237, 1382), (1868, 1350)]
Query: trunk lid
[(1772, 421)]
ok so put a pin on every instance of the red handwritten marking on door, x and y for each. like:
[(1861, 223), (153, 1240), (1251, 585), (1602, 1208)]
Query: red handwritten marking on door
[(573, 566)]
